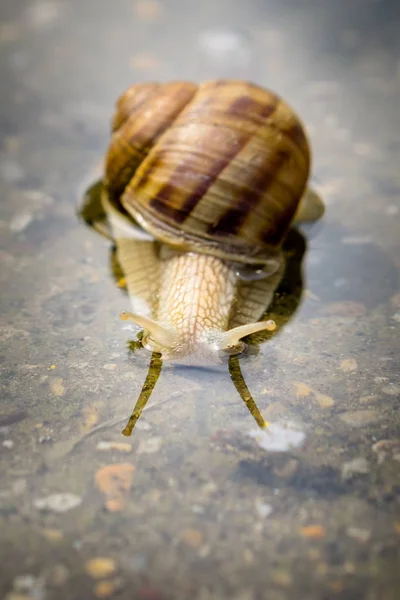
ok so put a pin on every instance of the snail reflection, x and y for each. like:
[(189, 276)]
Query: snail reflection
[(201, 185)]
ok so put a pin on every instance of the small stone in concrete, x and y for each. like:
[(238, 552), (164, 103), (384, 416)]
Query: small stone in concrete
[(391, 389), (359, 418), (358, 466), (58, 503), (263, 509), (356, 533), (150, 446), (100, 567)]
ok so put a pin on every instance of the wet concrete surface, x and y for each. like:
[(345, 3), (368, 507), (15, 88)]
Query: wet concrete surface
[(199, 503)]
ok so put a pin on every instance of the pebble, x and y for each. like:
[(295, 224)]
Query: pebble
[(367, 399), (359, 418), (278, 437), (58, 503), (100, 567), (52, 535), (356, 533), (150, 446), (38, 199), (144, 62), (281, 577), (192, 537), (312, 296), (396, 317), (323, 400), (115, 481), (263, 509), (110, 367), (129, 375), (57, 387), (120, 446), (345, 309), (148, 10), (20, 221), (225, 46), (302, 389), (90, 414), (348, 365), (204, 551), (313, 531), (357, 466), (391, 389), (33, 587), (105, 589), (143, 425), (8, 444), (24, 583), (58, 575), (387, 449)]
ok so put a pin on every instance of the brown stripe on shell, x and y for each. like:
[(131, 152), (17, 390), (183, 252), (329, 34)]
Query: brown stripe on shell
[(253, 110), (244, 107), (131, 143), (233, 219), (160, 202), (297, 135)]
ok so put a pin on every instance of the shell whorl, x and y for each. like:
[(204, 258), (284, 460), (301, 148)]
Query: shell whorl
[(217, 168)]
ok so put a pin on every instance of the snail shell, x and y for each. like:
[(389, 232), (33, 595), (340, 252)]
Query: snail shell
[(215, 173), (217, 168)]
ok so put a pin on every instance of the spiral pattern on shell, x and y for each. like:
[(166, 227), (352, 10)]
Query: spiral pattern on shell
[(217, 168)]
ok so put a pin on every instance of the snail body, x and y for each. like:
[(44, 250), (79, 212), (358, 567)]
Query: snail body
[(202, 183)]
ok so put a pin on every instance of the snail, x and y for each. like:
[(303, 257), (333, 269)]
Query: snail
[(201, 185)]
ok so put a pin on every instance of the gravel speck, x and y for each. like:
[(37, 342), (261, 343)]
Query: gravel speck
[(359, 418), (263, 509), (356, 533), (391, 389), (357, 466), (277, 437), (58, 503)]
